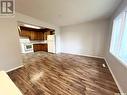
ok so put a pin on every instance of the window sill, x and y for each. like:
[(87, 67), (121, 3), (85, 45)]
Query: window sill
[(124, 63)]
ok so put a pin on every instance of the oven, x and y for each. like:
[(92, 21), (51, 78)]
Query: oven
[(26, 47)]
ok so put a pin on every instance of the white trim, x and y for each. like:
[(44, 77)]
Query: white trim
[(120, 89), (85, 55), (94, 56), (14, 68)]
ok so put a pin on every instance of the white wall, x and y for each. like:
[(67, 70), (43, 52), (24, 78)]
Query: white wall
[(9, 46), (85, 39), (9, 40), (119, 69)]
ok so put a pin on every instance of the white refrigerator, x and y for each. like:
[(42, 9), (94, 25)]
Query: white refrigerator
[(51, 40)]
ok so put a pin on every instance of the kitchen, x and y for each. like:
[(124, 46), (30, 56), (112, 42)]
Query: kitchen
[(35, 38)]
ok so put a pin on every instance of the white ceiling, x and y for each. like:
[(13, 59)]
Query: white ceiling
[(67, 12)]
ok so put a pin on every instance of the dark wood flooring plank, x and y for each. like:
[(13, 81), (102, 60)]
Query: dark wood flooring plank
[(63, 74)]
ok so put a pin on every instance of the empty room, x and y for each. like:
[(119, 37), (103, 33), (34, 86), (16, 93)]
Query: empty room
[(63, 47)]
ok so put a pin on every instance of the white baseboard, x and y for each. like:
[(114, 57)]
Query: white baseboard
[(121, 91), (85, 55), (14, 68), (95, 56)]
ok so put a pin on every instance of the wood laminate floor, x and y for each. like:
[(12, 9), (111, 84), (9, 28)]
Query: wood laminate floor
[(63, 74)]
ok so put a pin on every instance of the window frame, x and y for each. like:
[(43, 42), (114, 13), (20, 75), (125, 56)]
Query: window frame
[(123, 16)]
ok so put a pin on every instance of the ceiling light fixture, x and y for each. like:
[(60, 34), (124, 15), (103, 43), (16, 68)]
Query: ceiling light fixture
[(31, 26)]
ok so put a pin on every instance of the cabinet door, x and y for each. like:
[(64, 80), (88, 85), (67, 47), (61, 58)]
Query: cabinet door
[(45, 47), (40, 47), (40, 36), (32, 35), (36, 35), (24, 33), (35, 47), (45, 35)]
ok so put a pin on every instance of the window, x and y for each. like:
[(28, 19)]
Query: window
[(118, 45)]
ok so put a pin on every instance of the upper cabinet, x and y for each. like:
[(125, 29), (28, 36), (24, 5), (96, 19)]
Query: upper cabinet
[(35, 34), (24, 33)]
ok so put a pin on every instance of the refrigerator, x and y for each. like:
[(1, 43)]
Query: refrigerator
[(51, 40)]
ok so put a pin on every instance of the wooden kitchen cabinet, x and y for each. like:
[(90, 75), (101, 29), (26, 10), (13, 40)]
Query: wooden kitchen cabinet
[(36, 35), (32, 34), (37, 47), (40, 36), (45, 47), (40, 47), (45, 36), (25, 33)]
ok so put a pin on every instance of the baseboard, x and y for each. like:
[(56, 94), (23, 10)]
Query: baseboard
[(95, 56), (85, 55), (121, 91), (14, 68)]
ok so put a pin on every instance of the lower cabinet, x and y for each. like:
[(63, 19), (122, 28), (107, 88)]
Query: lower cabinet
[(40, 47)]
